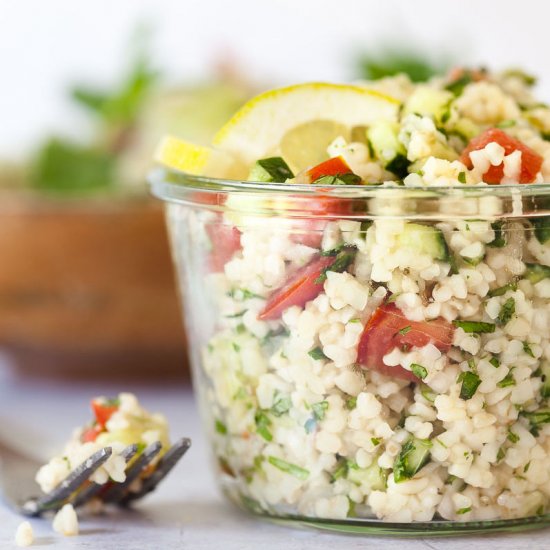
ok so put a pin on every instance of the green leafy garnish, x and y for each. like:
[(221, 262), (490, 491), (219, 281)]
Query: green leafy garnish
[(404, 330), (242, 294), (470, 383), (474, 326), (462, 177), (456, 87), (507, 311), (281, 406), (509, 123), (351, 403), (462, 511), (262, 425), (502, 290), (500, 236), (537, 419), (339, 179), (508, 380), (220, 427), (317, 354), (414, 455), (319, 409), (526, 78), (375, 441), (270, 170), (343, 260), (495, 362), (514, 438), (419, 371), (527, 349), (288, 467)]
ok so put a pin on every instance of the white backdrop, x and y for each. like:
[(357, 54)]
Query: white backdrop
[(47, 44)]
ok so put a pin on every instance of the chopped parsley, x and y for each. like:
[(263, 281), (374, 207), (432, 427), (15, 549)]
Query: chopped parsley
[(375, 441), (514, 438), (235, 347), (339, 179), (507, 311), (343, 260), (502, 290), (500, 236), (220, 427), (509, 123), (281, 406), (404, 330), (288, 467), (501, 454), (508, 380), (235, 315), (527, 349), (462, 511), (317, 354), (341, 470), (495, 362), (475, 326), (351, 403), (419, 371), (262, 425), (537, 419), (319, 409), (242, 294), (470, 383), (462, 177)]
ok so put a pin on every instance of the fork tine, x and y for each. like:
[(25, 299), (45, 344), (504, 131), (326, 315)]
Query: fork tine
[(117, 490), (93, 489), (163, 468), (69, 485)]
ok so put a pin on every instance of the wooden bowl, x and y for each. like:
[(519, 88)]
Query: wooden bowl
[(87, 288)]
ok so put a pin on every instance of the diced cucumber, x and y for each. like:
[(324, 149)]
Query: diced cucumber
[(425, 239), (466, 129), (414, 455), (383, 138), (372, 477), (536, 272), (545, 374), (269, 170), (428, 101), (542, 229)]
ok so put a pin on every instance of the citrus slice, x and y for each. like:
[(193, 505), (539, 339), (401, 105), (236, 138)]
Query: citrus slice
[(194, 159), (287, 117)]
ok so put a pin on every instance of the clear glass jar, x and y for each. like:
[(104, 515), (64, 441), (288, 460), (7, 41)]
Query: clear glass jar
[(370, 359)]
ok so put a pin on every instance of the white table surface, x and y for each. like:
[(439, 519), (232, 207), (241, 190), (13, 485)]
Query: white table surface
[(187, 511)]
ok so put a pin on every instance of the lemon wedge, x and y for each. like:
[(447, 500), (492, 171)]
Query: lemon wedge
[(194, 159), (300, 121)]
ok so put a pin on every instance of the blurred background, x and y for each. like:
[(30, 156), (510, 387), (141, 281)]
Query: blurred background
[(88, 88)]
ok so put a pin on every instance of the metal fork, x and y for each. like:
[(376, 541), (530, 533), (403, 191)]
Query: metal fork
[(18, 469)]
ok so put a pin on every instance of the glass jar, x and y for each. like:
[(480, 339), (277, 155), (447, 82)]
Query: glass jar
[(370, 358)]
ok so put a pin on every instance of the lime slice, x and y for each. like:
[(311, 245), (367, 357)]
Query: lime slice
[(288, 118), (194, 159)]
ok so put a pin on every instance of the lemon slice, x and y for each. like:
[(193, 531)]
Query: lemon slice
[(286, 117), (194, 159)]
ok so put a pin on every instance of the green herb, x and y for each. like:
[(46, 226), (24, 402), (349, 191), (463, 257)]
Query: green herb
[(351, 403), (462, 177), (495, 362), (333, 251), (288, 468), (404, 330), (540, 510), (281, 406), (356, 320), (270, 170), (527, 79), (441, 443), (537, 419), (341, 470), (456, 87), (414, 455), (508, 380), (537, 272), (501, 454), (514, 438), (450, 479), (502, 290), (236, 347), (509, 123), (375, 441), (221, 428), (262, 425), (419, 371), (242, 294), (317, 354), (462, 511), (500, 236), (240, 328), (527, 349), (470, 383), (427, 393), (475, 326), (236, 315), (526, 467), (343, 260), (399, 166), (319, 409), (507, 311), (339, 179)]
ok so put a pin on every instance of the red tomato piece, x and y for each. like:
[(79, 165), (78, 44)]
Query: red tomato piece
[(308, 232), (298, 290), (531, 162), (89, 435), (388, 328), (226, 240), (331, 167), (103, 411)]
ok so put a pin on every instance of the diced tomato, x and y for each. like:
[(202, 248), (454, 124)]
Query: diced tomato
[(457, 73), (388, 328), (331, 167), (103, 410), (531, 161), (225, 240), (89, 435), (299, 289)]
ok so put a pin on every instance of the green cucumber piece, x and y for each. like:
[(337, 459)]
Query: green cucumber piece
[(384, 141), (428, 101), (414, 455), (536, 272), (542, 229), (373, 477), (474, 326), (270, 170), (425, 239)]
